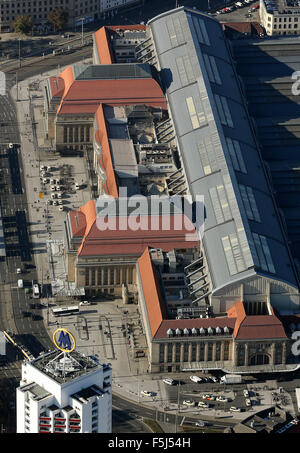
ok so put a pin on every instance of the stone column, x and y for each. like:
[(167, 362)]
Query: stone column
[(284, 353), (173, 353), (181, 352), (198, 352), (166, 353), (205, 352), (222, 351), (235, 354), (246, 357), (214, 351), (190, 353), (272, 359)]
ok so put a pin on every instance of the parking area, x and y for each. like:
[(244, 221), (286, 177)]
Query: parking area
[(248, 10)]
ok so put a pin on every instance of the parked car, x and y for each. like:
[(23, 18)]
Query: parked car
[(200, 423), (246, 393), (85, 302), (188, 403), (203, 404), (19, 270), (195, 379), (209, 397), (146, 393), (235, 409), (222, 399), (169, 381), (248, 402)]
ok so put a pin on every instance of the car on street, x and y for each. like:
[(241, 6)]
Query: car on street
[(235, 409), (203, 404), (188, 403), (222, 399), (195, 379), (208, 397), (19, 270), (169, 381), (146, 393), (200, 423), (84, 302)]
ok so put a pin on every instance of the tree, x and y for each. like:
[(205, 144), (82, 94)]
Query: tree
[(58, 18), (23, 25)]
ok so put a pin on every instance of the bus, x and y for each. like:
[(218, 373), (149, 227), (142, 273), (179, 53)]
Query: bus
[(65, 311)]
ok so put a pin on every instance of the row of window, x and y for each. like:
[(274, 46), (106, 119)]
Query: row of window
[(210, 354), (76, 134), (111, 276)]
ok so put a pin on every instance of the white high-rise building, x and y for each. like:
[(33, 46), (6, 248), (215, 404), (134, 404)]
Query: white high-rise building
[(64, 392)]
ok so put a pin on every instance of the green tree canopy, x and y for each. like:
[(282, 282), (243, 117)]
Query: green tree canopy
[(23, 25), (58, 17)]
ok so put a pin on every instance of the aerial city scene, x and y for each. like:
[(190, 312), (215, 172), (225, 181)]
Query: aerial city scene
[(150, 218)]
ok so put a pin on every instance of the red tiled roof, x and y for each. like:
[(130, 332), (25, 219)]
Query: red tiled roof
[(252, 28), (110, 185), (194, 323), (86, 95), (78, 223), (155, 305), (57, 86), (103, 45), (255, 327), (103, 40), (128, 242)]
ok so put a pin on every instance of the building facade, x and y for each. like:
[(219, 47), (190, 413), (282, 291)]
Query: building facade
[(280, 17), (64, 392), (39, 10)]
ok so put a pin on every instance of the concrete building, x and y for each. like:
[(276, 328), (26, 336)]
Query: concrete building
[(280, 17), (39, 10), (231, 300), (64, 392)]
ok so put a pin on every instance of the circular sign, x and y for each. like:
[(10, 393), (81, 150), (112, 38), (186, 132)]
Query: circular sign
[(65, 342)]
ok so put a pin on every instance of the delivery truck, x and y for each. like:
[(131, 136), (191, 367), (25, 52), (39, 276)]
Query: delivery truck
[(231, 379)]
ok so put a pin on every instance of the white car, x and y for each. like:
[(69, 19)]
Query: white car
[(200, 423), (19, 270), (235, 409), (195, 379), (11, 145), (246, 393), (45, 180), (188, 403), (86, 302), (214, 379), (55, 203), (209, 397), (203, 404), (77, 186), (53, 188), (54, 195), (61, 208), (169, 381), (146, 393), (222, 399)]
